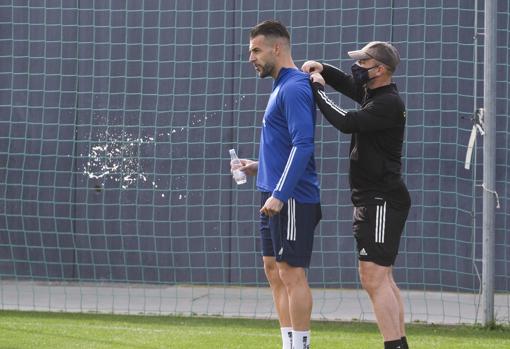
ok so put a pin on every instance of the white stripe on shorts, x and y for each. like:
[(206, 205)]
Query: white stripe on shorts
[(291, 219), (380, 223)]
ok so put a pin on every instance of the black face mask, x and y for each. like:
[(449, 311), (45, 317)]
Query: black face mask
[(360, 74)]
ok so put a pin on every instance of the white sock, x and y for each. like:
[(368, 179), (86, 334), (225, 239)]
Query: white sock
[(300, 339), (286, 337)]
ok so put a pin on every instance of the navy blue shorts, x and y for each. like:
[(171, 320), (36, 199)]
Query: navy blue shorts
[(377, 229), (288, 236)]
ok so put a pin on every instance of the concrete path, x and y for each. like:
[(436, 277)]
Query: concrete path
[(249, 302)]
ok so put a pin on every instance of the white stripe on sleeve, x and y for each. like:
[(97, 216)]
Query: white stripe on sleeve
[(328, 101), (280, 183)]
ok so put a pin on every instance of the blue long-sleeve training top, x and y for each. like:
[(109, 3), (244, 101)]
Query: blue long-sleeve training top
[(286, 157)]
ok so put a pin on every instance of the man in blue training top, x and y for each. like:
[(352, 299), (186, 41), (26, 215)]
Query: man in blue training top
[(286, 177)]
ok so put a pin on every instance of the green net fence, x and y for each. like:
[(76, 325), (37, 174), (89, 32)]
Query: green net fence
[(115, 122)]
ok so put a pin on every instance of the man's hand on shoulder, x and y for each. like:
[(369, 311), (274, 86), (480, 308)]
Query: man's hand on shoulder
[(317, 78), (312, 67)]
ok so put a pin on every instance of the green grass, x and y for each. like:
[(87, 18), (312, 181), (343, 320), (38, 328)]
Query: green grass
[(64, 331)]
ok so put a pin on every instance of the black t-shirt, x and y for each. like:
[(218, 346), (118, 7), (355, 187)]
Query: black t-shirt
[(377, 130)]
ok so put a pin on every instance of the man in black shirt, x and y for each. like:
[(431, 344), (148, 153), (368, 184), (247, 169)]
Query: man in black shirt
[(380, 197)]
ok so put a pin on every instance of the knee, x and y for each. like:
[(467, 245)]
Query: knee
[(285, 276), (373, 277), (271, 271), (369, 282), (291, 276)]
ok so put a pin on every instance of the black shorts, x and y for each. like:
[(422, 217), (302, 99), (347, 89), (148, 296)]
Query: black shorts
[(377, 229), (288, 236)]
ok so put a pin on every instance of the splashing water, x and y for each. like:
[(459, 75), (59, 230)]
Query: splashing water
[(116, 158)]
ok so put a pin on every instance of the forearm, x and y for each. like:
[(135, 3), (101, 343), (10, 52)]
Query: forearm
[(341, 82), (335, 115), (297, 162)]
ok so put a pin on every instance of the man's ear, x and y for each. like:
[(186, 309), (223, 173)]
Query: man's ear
[(277, 48), (386, 71), (381, 72)]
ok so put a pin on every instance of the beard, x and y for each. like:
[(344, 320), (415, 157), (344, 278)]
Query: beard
[(265, 70)]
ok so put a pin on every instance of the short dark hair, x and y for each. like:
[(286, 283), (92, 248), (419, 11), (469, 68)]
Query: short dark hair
[(270, 28)]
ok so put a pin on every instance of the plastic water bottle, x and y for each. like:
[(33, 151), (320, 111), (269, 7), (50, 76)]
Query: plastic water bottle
[(239, 176)]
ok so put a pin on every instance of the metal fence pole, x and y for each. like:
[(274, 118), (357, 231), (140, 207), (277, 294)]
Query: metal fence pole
[(489, 161)]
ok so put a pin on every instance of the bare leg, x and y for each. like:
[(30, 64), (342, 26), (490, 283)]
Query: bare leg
[(376, 280), (396, 291), (280, 298), (300, 296)]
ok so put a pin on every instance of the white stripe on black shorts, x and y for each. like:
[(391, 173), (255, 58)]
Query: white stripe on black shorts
[(377, 229)]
